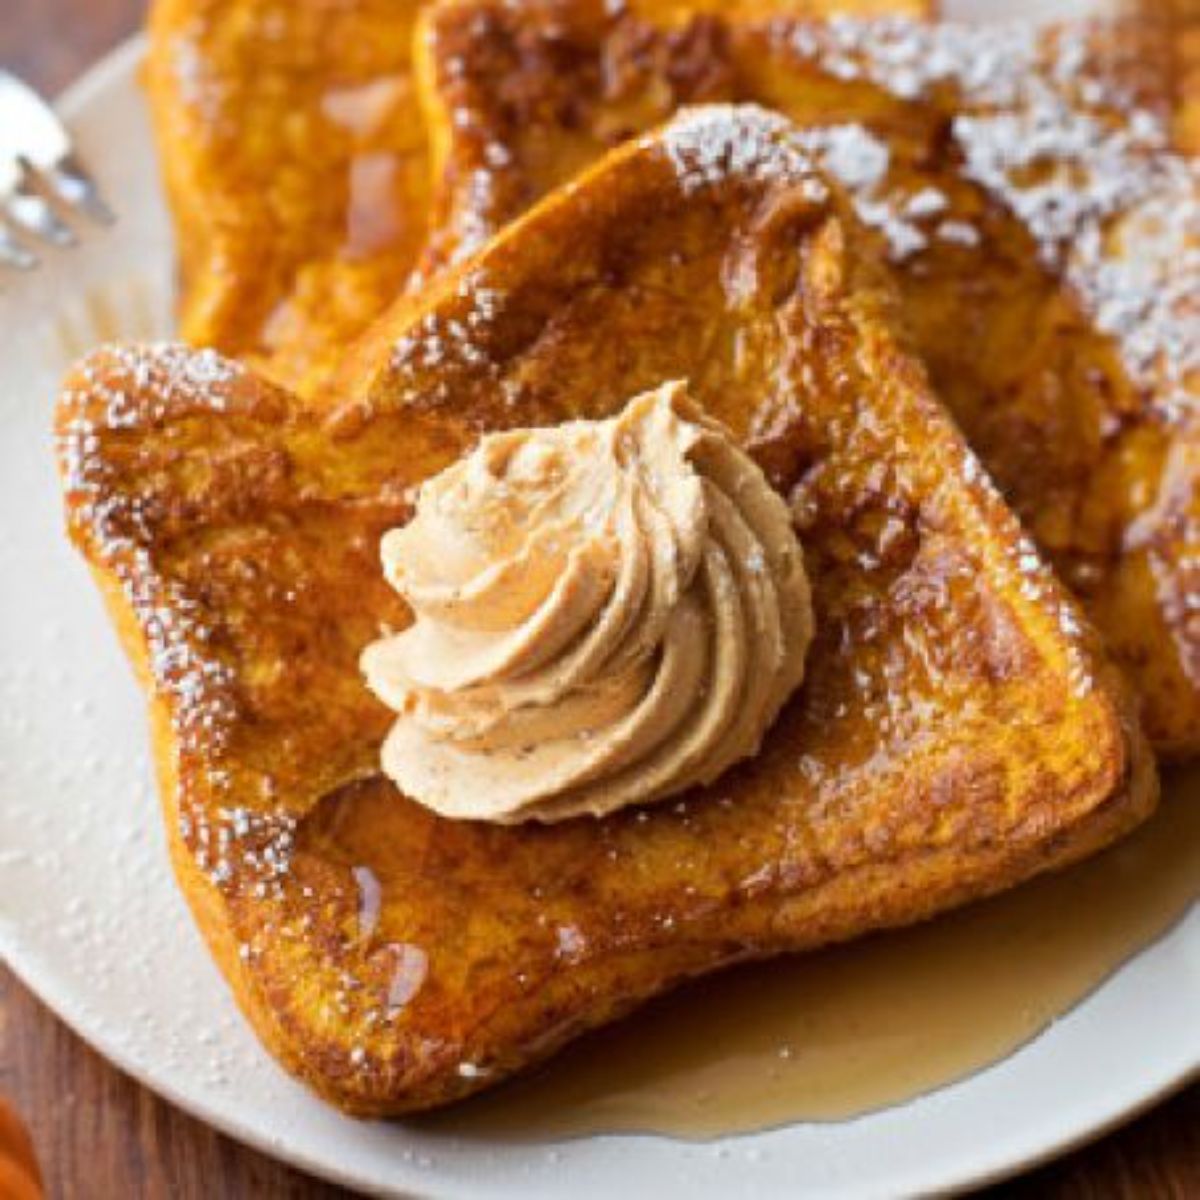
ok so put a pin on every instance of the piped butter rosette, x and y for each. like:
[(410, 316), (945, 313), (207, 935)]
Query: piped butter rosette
[(605, 613)]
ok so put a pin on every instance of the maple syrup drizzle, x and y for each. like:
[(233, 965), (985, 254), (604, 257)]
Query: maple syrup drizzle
[(826, 1036)]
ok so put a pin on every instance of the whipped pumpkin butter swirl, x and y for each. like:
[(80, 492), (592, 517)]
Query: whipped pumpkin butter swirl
[(605, 613)]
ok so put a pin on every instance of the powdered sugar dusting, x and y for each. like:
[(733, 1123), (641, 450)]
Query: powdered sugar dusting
[(719, 142), (119, 388), (161, 369), (440, 339), (138, 384), (906, 58), (1069, 152), (712, 144), (1140, 278), (243, 847), (1037, 584), (859, 160)]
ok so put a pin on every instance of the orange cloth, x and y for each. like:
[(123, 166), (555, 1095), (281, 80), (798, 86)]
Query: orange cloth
[(20, 1178)]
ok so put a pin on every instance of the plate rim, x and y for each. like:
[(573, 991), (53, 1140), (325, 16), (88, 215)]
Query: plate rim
[(118, 68)]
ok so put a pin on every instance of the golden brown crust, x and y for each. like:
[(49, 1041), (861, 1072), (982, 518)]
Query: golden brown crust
[(958, 731), (1071, 372), (297, 167), (1176, 26)]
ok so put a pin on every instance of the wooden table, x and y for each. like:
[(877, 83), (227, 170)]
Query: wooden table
[(101, 1135)]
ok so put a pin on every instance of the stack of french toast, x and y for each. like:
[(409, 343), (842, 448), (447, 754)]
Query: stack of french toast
[(940, 282)]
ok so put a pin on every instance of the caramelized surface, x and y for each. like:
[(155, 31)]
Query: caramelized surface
[(296, 161), (296, 165), (958, 729), (1074, 377), (1176, 24)]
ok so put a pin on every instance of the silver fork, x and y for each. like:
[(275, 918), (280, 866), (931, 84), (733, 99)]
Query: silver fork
[(39, 176)]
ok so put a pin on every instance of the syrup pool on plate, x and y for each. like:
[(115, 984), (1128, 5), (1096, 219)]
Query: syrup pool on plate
[(843, 1031)]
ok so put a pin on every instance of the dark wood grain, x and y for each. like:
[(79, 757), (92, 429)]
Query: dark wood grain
[(101, 1135), (50, 41)]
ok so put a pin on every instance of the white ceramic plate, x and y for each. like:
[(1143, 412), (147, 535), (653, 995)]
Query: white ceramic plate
[(91, 920)]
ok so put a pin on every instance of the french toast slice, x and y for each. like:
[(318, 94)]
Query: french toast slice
[(959, 728), (296, 165), (294, 159), (1176, 23), (1046, 243)]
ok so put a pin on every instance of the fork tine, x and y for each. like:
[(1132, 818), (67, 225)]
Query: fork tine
[(40, 175), (73, 185), (30, 211), (13, 254)]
